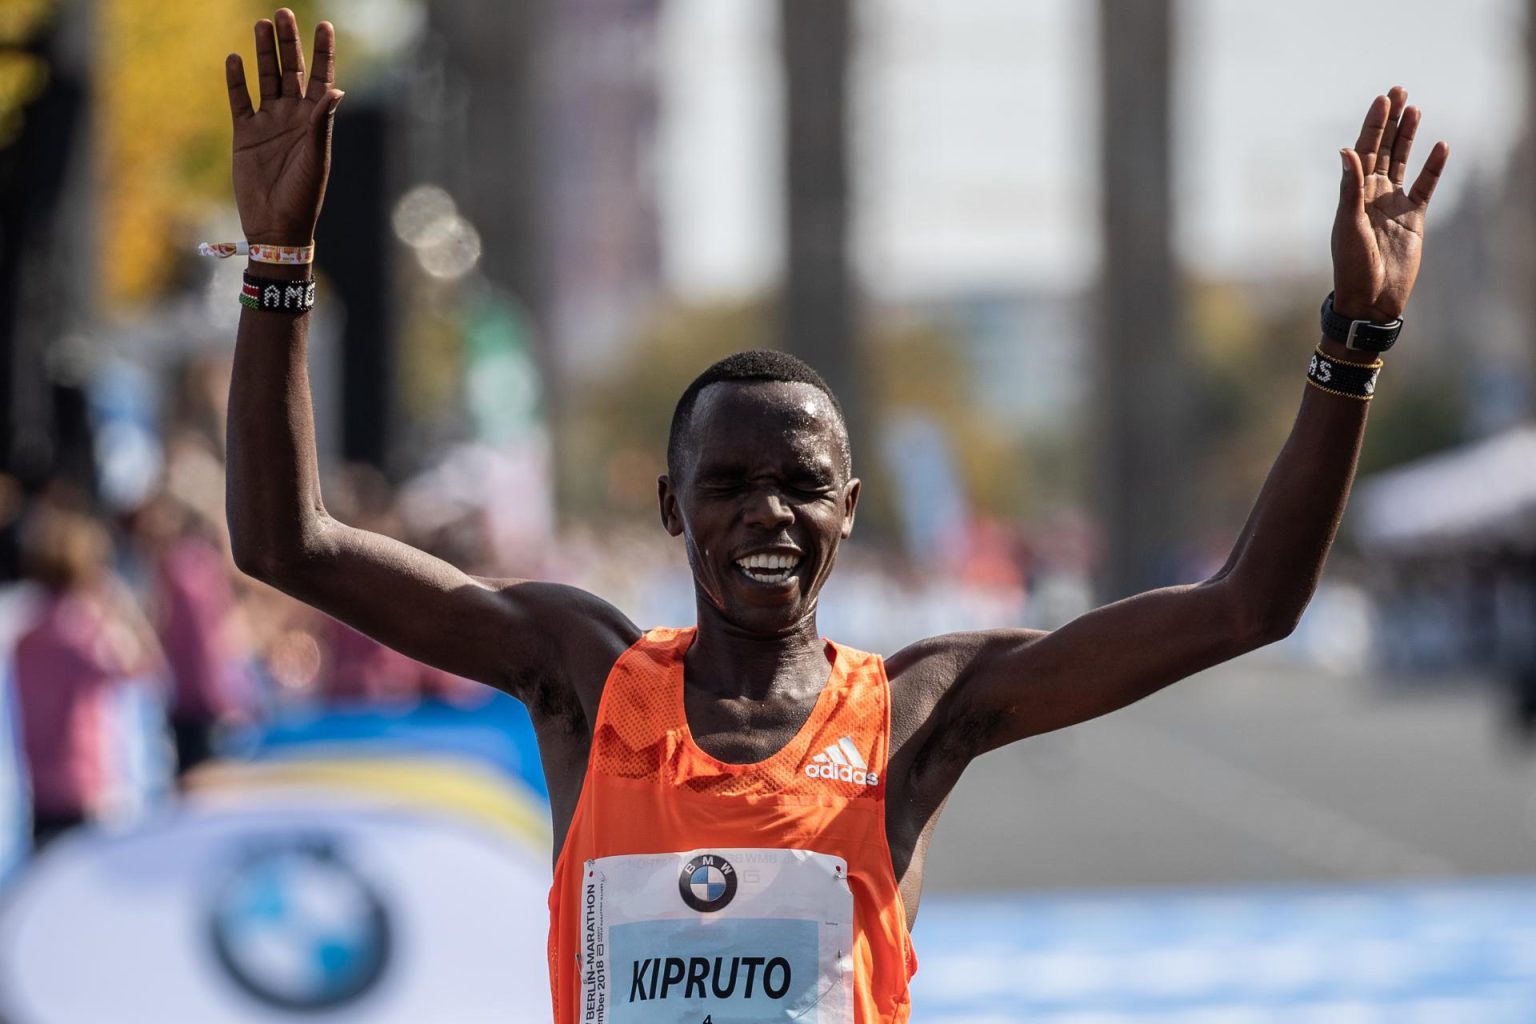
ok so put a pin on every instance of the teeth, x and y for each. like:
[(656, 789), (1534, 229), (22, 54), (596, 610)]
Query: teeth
[(767, 561), (769, 568)]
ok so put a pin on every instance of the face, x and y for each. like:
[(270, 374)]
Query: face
[(762, 501)]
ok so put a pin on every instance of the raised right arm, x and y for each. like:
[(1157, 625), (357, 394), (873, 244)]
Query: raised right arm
[(516, 635)]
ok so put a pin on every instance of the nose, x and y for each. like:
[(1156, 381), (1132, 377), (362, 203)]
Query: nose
[(768, 510)]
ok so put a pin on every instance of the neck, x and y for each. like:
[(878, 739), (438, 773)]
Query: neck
[(727, 660)]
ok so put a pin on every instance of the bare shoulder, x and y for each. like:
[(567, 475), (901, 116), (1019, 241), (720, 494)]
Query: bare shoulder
[(927, 681), (581, 636), (585, 615), (935, 734)]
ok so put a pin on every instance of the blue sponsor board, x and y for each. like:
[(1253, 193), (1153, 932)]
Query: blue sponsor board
[(734, 971), (15, 814), (498, 732), (1462, 952)]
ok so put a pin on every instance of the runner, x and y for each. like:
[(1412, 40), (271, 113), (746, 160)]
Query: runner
[(741, 809)]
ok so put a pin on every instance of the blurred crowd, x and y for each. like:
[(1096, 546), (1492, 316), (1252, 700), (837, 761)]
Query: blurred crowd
[(133, 648)]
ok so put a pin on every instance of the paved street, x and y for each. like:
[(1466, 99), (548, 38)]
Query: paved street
[(1250, 773)]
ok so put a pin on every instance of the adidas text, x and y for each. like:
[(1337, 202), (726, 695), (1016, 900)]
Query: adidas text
[(843, 773)]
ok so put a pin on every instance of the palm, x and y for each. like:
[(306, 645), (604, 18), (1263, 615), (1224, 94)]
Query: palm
[(1379, 230), (282, 151)]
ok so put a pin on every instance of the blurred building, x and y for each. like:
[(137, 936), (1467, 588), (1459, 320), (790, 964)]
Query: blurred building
[(540, 120), (597, 166), (544, 133)]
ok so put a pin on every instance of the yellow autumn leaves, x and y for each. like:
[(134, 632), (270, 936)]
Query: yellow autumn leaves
[(161, 125)]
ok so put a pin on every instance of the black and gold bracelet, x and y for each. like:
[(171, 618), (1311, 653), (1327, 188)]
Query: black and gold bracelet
[(1341, 377)]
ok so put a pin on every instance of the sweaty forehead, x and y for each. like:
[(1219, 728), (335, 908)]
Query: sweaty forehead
[(742, 416)]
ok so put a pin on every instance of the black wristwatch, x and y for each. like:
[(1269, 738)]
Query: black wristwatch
[(1359, 335)]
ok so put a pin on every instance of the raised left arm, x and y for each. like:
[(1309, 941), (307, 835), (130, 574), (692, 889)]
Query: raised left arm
[(1009, 684)]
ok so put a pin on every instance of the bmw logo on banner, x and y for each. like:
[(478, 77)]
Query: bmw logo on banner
[(297, 927), (707, 883), (281, 906)]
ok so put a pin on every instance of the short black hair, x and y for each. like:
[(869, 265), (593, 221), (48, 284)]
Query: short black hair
[(754, 365)]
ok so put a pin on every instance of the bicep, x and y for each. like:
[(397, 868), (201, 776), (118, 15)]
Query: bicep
[(499, 632), (1022, 683)]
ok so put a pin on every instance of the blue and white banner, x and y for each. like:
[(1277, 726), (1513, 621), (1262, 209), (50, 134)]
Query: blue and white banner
[(413, 897), (15, 817)]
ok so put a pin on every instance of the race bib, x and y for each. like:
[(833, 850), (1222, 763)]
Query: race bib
[(717, 936)]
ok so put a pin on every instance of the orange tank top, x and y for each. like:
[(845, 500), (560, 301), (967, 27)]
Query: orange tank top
[(690, 889)]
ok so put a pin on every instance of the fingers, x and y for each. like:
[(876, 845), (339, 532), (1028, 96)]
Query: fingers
[(280, 61), (267, 75), (325, 106), (292, 52), (1429, 177), (1398, 98), (234, 80), (322, 77), (1371, 130), (1406, 130), (1352, 184)]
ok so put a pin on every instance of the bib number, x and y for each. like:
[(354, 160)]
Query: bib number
[(721, 936)]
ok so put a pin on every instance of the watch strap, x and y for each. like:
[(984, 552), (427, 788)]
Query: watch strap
[(1358, 335)]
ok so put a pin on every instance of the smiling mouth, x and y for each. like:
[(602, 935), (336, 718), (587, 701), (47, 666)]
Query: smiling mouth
[(768, 568)]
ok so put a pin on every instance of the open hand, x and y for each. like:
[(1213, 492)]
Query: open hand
[(283, 150), (1379, 230)]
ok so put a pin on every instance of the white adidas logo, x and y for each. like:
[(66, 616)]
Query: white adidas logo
[(842, 761)]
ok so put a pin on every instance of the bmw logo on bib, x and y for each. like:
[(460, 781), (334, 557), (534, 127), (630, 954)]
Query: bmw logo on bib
[(707, 883), (298, 928)]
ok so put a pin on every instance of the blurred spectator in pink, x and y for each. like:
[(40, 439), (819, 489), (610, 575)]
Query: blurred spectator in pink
[(87, 638), (197, 617)]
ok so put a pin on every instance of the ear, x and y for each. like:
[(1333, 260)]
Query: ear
[(850, 503), (666, 496)]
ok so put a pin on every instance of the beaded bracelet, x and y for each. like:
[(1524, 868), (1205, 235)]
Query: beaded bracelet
[(1341, 377), (292, 297)]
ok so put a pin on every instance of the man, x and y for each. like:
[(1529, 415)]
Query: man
[(741, 810)]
